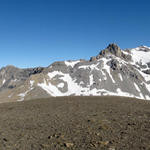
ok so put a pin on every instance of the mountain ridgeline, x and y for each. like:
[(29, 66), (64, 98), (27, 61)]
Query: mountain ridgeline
[(113, 72)]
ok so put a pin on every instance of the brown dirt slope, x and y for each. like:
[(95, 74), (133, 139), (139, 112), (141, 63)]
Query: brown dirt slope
[(75, 123)]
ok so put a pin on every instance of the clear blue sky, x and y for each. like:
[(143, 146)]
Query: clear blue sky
[(39, 32)]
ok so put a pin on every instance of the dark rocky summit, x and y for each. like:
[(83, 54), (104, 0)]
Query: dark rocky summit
[(112, 49), (15, 76)]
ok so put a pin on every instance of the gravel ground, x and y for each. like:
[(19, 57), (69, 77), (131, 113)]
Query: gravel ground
[(75, 123)]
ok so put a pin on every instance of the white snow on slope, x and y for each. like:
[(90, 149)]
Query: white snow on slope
[(120, 76), (14, 80), (145, 76), (71, 63), (137, 88), (22, 95), (126, 53), (3, 81), (91, 79), (104, 75), (31, 83), (147, 86), (139, 56), (76, 89), (60, 85), (125, 94), (107, 68), (92, 67), (51, 89), (73, 87), (95, 67), (147, 97)]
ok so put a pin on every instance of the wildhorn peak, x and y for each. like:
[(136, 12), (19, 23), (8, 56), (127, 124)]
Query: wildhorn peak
[(113, 49)]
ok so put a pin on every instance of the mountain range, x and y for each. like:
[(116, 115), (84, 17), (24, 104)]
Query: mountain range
[(113, 72)]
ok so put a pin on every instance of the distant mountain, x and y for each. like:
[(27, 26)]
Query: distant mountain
[(112, 72)]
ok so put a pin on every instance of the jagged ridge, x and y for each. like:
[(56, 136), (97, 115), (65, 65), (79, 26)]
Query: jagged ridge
[(112, 72)]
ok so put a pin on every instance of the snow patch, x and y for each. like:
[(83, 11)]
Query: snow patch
[(22, 95), (60, 85), (32, 82), (145, 76), (147, 97), (126, 53), (120, 76), (14, 80), (73, 87), (81, 83), (140, 56), (91, 79), (147, 86), (71, 63), (104, 75), (92, 67), (137, 88), (125, 94), (4, 81), (107, 68)]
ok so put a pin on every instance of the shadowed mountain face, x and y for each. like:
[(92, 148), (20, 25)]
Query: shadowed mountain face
[(11, 76), (112, 72)]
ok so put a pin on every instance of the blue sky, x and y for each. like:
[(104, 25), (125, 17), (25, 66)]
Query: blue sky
[(39, 32)]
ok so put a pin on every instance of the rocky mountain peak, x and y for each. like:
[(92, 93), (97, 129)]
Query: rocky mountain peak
[(9, 67), (111, 49)]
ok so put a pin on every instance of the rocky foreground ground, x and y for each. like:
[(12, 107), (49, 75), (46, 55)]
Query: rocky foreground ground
[(75, 123)]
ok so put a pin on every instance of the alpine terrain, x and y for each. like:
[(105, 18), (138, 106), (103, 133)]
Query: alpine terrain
[(112, 72)]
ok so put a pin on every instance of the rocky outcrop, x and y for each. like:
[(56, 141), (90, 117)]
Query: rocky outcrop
[(112, 50)]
